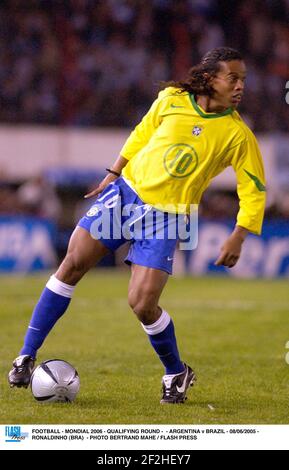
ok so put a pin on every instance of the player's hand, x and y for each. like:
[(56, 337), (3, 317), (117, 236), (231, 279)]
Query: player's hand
[(102, 185), (231, 250)]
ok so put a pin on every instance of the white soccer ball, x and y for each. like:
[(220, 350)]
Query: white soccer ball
[(55, 380)]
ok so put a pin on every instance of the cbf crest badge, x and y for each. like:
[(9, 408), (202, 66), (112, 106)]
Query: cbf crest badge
[(197, 130)]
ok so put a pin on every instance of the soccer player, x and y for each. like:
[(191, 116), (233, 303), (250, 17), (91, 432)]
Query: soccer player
[(191, 133)]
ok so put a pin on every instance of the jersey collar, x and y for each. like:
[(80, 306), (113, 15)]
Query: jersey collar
[(202, 113)]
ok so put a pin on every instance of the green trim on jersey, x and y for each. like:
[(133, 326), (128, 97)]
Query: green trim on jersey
[(256, 180), (210, 115)]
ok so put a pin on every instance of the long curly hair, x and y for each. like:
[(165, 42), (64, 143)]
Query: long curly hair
[(197, 81)]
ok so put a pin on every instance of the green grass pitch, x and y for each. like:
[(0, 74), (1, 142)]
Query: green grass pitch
[(232, 332)]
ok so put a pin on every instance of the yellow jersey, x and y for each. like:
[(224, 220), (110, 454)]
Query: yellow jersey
[(178, 148)]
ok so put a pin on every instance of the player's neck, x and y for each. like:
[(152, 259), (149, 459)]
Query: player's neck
[(209, 105)]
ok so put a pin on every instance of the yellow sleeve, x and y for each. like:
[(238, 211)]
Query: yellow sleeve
[(248, 165), (141, 135)]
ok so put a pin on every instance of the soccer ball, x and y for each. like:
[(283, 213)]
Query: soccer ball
[(55, 380)]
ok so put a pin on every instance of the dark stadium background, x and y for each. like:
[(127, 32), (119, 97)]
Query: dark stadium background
[(71, 69)]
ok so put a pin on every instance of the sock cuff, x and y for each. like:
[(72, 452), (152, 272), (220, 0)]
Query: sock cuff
[(59, 287), (159, 326)]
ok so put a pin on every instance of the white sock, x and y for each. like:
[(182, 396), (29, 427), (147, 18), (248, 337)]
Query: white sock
[(59, 287), (159, 326)]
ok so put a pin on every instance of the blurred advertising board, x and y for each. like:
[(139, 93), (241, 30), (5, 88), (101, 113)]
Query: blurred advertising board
[(26, 244), (262, 256)]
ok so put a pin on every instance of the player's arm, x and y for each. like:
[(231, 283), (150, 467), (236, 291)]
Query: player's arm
[(248, 166), (231, 250), (142, 133), (138, 138), (117, 167)]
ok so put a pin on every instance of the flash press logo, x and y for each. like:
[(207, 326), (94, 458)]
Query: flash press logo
[(14, 434), (287, 94)]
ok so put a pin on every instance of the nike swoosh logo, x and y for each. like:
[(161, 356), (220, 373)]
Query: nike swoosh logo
[(183, 387), (257, 182), (169, 259), (176, 106)]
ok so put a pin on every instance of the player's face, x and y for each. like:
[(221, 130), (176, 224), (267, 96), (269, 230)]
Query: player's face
[(229, 83)]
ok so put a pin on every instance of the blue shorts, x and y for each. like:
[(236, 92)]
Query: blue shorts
[(119, 215)]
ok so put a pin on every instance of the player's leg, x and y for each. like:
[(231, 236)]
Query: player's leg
[(83, 253), (145, 287)]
